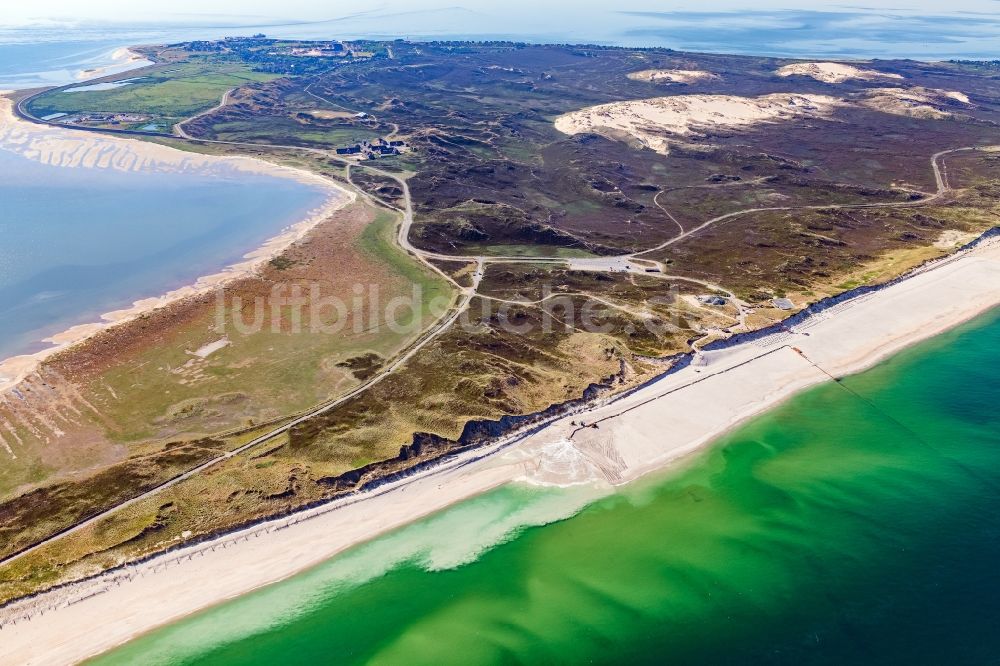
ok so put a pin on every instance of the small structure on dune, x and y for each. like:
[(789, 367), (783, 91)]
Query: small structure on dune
[(783, 304)]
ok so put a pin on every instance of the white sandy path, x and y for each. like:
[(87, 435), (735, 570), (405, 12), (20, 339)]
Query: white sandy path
[(652, 121), (833, 72), (639, 433), (76, 149)]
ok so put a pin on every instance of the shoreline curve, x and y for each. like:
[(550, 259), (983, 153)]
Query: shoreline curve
[(71, 149)]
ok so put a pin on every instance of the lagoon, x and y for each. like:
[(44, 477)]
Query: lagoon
[(76, 242)]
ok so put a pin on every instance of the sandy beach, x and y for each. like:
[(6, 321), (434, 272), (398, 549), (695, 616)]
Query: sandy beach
[(65, 147), (649, 429)]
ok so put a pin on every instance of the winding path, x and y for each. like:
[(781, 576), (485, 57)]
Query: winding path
[(940, 177), (179, 127)]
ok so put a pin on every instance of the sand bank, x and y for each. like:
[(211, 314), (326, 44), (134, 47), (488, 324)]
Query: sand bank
[(65, 147), (122, 60), (833, 72), (646, 430), (647, 120)]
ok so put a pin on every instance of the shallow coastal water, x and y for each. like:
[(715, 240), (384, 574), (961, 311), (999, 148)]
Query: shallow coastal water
[(857, 523), (76, 243), (32, 58), (38, 55)]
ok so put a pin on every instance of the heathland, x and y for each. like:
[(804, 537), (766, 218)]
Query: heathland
[(661, 212)]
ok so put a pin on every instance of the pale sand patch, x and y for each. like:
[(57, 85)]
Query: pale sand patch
[(324, 114), (646, 430), (652, 121), (953, 238), (207, 350), (65, 147), (833, 72), (915, 102), (672, 76)]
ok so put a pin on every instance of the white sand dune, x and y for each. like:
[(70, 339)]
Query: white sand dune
[(916, 102), (654, 121), (833, 72), (645, 431), (657, 122), (673, 76), (69, 148)]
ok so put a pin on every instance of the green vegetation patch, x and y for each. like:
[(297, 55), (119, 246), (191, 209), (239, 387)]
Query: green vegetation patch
[(175, 91)]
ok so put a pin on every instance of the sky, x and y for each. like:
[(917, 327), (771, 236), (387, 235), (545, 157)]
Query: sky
[(16, 13), (924, 29)]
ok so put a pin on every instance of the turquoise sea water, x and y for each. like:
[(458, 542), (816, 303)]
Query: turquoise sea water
[(76, 243), (857, 523)]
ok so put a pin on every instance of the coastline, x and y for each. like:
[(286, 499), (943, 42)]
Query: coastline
[(123, 59), (65, 148), (648, 429)]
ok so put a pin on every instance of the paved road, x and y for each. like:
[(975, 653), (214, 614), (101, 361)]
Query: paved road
[(179, 127)]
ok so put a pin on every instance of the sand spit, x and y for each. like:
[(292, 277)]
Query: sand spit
[(123, 59), (833, 72), (65, 147), (646, 430), (673, 76), (651, 121), (917, 102)]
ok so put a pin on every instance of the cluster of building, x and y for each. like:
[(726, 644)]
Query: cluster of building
[(373, 150), (279, 57), (330, 50), (103, 118), (325, 50)]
